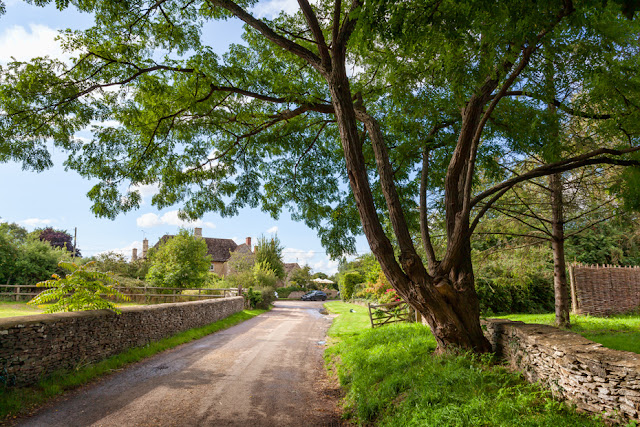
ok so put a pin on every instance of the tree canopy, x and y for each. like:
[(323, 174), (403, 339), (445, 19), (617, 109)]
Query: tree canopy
[(180, 262), (358, 116)]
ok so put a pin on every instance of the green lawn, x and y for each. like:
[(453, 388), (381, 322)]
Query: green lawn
[(620, 332), (13, 308), (392, 378)]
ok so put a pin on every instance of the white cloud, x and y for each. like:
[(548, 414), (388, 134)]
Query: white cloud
[(146, 191), (23, 44), (126, 251), (300, 256), (35, 222), (326, 266), (272, 230), (271, 9), (170, 218)]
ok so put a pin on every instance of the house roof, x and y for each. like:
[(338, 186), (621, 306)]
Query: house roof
[(219, 249), (290, 266)]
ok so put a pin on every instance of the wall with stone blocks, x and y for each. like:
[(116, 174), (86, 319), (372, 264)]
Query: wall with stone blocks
[(597, 379), (35, 346)]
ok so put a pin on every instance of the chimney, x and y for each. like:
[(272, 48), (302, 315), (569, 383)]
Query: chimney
[(198, 233), (145, 247), (134, 254), (248, 241)]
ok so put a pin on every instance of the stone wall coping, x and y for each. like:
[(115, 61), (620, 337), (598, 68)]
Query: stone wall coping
[(571, 343), (21, 321)]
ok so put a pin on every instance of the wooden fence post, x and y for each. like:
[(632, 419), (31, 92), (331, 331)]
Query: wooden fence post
[(18, 293)]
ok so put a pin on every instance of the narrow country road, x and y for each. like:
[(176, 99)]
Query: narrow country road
[(266, 371)]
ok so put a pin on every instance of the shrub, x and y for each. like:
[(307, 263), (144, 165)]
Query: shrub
[(82, 289), (259, 299), (348, 284)]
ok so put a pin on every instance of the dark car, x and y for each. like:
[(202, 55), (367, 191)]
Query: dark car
[(314, 296)]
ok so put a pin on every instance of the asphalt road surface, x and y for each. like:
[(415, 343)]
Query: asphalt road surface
[(266, 371)]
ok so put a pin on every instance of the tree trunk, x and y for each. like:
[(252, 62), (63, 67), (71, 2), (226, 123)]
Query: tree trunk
[(557, 243), (448, 301)]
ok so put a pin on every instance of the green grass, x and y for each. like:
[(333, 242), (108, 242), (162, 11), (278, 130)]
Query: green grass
[(619, 332), (393, 378), (13, 308), (16, 401), (21, 308), (348, 323)]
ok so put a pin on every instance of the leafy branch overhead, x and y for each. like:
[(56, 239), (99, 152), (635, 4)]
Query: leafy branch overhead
[(357, 116)]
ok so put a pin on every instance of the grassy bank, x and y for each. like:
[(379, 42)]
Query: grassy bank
[(16, 401), (392, 378), (620, 332)]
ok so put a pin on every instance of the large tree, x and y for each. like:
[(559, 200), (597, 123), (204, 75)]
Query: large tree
[(390, 98)]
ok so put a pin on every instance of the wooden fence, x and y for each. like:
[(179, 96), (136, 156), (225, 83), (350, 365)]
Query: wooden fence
[(384, 314), (604, 289), (136, 293)]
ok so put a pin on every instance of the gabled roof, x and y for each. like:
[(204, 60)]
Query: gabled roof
[(290, 266), (219, 249)]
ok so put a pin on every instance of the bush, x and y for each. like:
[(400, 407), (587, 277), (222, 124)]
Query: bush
[(259, 299), (348, 284), (532, 295)]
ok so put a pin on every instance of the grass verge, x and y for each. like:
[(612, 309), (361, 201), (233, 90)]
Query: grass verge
[(619, 332), (17, 401), (392, 378)]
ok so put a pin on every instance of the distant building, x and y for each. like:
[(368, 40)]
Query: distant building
[(219, 249)]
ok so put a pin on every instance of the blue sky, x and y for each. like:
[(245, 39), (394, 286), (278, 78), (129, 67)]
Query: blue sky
[(57, 198)]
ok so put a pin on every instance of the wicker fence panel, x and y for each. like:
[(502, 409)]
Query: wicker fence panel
[(604, 290)]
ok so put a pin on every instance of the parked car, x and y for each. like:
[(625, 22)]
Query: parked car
[(314, 296)]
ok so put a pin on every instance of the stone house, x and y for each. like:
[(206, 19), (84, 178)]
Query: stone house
[(219, 249)]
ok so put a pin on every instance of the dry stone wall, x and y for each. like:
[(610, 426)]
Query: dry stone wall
[(32, 347), (597, 379)]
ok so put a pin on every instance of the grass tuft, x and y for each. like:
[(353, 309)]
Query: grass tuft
[(17, 401)]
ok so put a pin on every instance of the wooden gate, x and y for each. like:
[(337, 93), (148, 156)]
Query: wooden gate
[(383, 314)]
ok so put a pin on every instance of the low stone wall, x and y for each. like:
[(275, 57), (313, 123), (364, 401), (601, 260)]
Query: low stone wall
[(597, 379), (35, 346)]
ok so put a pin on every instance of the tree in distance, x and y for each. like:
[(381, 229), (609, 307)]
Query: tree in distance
[(57, 239), (269, 253), (280, 122), (180, 262)]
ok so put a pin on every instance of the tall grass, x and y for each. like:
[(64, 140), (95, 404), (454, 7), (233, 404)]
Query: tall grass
[(393, 378)]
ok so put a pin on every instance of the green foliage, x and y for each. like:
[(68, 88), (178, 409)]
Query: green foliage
[(24, 259), (17, 401), (614, 242), (301, 277), (118, 264), (81, 289), (263, 276), (253, 298), (348, 283), (181, 262), (269, 252)]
